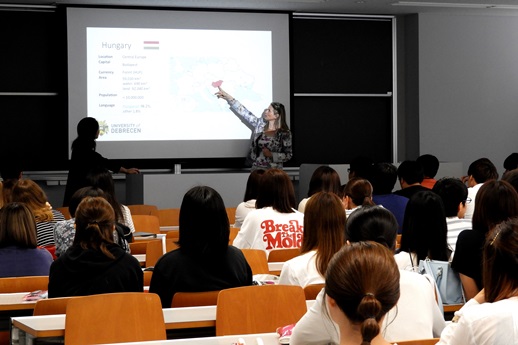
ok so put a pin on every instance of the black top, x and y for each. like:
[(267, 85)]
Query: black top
[(177, 272), (83, 160), (468, 255), (409, 191), (81, 272)]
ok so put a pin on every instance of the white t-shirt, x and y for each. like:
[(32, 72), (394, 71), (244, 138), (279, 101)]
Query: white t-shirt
[(268, 229), (301, 270), (302, 205), (472, 194), (242, 210)]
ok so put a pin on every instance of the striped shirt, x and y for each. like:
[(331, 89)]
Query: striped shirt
[(455, 227), (45, 230)]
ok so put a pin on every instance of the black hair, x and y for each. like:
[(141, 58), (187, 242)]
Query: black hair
[(411, 172), (372, 223), (383, 178), (86, 134), (482, 170), (452, 192), (430, 165)]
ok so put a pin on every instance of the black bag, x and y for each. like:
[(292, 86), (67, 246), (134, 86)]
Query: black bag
[(124, 236)]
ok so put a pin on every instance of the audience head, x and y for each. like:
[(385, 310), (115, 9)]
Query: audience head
[(324, 224), (510, 163), (31, 194), (500, 263), (424, 227), (276, 191), (324, 179), (358, 192), (454, 196), (410, 172), (102, 178), (430, 165), (360, 167), (383, 178), (512, 178), (17, 226), (372, 223), (80, 194), (95, 223), (495, 202), (252, 184), (278, 109), (355, 292), (11, 169), (480, 171), (204, 224), (87, 132)]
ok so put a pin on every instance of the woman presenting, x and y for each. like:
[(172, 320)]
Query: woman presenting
[(85, 158), (271, 137)]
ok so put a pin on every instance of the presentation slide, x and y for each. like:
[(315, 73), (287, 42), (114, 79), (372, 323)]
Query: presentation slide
[(155, 84), (150, 77)]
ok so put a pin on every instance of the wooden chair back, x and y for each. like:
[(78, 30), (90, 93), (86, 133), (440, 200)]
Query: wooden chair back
[(231, 213), (256, 258), (172, 236), (283, 255), (169, 216), (258, 309), (146, 223), (152, 248), (51, 306), (114, 318), (194, 299), (233, 234), (398, 241), (64, 211), (147, 210), (24, 284), (311, 291), (147, 277), (432, 341)]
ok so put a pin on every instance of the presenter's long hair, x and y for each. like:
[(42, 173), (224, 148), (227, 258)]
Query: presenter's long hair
[(281, 120), (86, 134), (204, 225)]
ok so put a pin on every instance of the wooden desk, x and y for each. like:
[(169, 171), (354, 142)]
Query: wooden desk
[(250, 339), (54, 325), (14, 301)]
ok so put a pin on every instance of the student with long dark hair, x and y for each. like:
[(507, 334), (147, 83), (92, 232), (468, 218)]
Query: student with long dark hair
[(251, 192), (204, 260), (323, 179)]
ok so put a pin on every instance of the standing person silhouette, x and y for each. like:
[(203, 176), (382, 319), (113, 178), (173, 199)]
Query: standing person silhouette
[(85, 158), (271, 145)]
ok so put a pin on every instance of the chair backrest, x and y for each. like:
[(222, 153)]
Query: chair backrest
[(283, 255), (152, 248), (233, 234), (169, 216), (256, 258), (24, 284), (231, 213), (147, 277), (64, 211), (311, 291), (398, 241), (432, 341), (146, 223), (51, 306), (147, 210), (258, 309), (194, 299), (114, 318)]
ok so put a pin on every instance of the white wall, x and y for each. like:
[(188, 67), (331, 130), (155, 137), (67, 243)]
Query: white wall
[(468, 87)]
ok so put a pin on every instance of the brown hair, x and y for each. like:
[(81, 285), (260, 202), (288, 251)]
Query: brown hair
[(276, 191), (353, 280), (31, 194), (95, 221), (360, 192), (17, 226), (500, 264), (324, 227)]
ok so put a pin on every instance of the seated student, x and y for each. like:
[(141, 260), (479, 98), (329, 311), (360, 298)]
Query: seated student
[(430, 165), (31, 194), (324, 225), (479, 172), (403, 322), (357, 193), (424, 231), (275, 223), (248, 204), (18, 252), (360, 167), (10, 173), (323, 179), (94, 264), (510, 163), (383, 179), (204, 261), (454, 196), (491, 317), (356, 298), (410, 175)]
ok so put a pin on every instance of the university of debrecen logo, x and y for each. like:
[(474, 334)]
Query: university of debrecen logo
[(103, 128)]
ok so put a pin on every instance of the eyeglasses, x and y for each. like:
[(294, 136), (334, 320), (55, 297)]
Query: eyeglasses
[(467, 201)]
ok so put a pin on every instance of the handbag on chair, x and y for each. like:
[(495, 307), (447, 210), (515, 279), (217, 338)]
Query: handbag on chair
[(447, 280)]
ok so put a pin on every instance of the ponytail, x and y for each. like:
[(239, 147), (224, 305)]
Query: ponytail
[(369, 308)]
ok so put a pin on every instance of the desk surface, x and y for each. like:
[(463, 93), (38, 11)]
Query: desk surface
[(250, 339), (14, 301)]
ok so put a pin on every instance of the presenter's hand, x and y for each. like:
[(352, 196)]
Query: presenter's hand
[(223, 94), (267, 153), (129, 171)]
